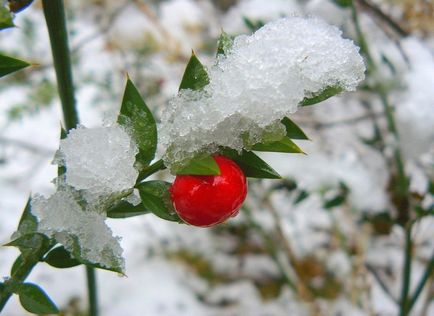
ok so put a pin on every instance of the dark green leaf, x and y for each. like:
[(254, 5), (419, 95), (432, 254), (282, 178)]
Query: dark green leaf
[(124, 209), (9, 65), (6, 18), (224, 44), (302, 195), (293, 131), (335, 201), (195, 75), (19, 5), (156, 198), (17, 264), (285, 145), (251, 164), (138, 119), (60, 258), (253, 26), (343, 3), (201, 166), (323, 95), (28, 223), (2, 287), (35, 300), (31, 245)]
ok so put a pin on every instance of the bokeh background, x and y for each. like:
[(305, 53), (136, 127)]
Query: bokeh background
[(327, 239)]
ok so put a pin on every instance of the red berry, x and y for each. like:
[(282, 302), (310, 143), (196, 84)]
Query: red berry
[(209, 200)]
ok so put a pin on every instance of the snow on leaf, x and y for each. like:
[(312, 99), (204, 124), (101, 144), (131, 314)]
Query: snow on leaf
[(263, 78)]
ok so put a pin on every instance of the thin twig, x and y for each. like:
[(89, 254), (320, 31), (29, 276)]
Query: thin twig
[(379, 14), (381, 282)]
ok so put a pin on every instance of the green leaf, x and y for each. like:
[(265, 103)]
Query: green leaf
[(224, 44), (343, 3), (137, 118), (200, 166), (323, 95), (2, 287), (32, 245), (6, 18), (60, 258), (195, 75), (251, 164), (28, 223), (285, 145), (335, 201), (17, 264), (155, 197), (19, 5), (253, 26), (35, 300), (293, 131), (9, 65), (302, 195), (124, 209)]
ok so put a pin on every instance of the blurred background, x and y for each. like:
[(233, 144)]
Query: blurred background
[(327, 239)]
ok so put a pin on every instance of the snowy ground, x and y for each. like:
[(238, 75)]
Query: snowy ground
[(161, 277)]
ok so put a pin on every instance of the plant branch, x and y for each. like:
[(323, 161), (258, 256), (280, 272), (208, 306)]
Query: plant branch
[(54, 13), (269, 244), (56, 23), (420, 286), (381, 282), (378, 13), (150, 170), (406, 271)]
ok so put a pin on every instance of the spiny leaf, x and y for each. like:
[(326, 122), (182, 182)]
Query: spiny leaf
[(251, 164), (155, 197), (35, 300), (323, 95), (224, 44), (285, 145), (195, 75), (60, 258), (32, 245), (28, 222), (124, 209), (9, 65), (137, 118), (293, 131), (201, 166)]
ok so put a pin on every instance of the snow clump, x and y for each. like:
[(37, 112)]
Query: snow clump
[(263, 78), (99, 160), (100, 170), (78, 230)]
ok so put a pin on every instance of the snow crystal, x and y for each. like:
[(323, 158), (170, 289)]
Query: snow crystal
[(99, 160), (62, 217), (262, 79)]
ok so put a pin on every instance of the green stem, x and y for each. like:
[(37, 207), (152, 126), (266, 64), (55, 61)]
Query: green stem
[(425, 277), (92, 291), (406, 272), (156, 166), (54, 13), (18, 277), (270, 247), (56, 23)]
